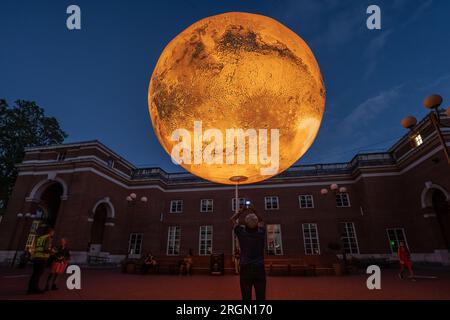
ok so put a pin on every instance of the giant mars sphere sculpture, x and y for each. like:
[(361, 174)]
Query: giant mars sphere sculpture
[(238, 70)]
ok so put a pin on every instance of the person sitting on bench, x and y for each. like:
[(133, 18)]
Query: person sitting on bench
[(186, 264), (149, 263)]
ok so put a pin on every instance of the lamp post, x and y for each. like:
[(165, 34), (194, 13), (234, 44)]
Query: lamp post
[(432, 102), (336, 190), (237, 180), (132, 200), (21, 216)]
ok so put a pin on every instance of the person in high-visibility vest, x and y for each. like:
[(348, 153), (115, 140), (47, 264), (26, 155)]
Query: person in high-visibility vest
[(43, 250)]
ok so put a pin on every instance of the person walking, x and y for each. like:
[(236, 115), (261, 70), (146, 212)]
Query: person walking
[(252, 239), (405, 260), (59, 265), (43, 249)]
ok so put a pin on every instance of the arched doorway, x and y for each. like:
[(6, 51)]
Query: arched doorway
[(442, 210), (98, 228), (46, 197), (49, 203)]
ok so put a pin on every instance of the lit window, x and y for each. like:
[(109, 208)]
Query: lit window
[(274, 244), (176, 206), (306, 201), (241, 203), (271, 203), (206, 236), (311, 239), (417, 140), (206, 205), (395, 236), (173, 241)]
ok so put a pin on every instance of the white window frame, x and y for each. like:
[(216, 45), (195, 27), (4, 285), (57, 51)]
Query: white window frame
[(61, 156), (132, 248), (340, 194), (176, 203), (241, 203), (306, 196), (269, 200), (311, 243), (110, 163), (203, 237), (274, 231), (30, 241), (417, 140), (350, 225), (172, 241), (207, 207), (397, 241)]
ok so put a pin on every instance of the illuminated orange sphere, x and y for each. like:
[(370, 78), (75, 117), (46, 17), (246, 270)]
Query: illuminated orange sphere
[(238, 70)]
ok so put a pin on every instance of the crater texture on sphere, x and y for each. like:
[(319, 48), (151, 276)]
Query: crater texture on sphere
[(238, 70)]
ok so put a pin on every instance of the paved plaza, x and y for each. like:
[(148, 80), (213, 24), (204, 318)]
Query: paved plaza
[(111, 284)]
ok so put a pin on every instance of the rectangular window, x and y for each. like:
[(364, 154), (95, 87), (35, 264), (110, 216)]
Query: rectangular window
[(241, 203), (176, 206), (30, 241), (206, 205), (135, 244), (173, 240), (417, 139), (395, 236), (271, 203), (110, 163), (274, 242), (34, 226), (342, 200), (311, 239), (306, 201), (205, 240), (348, 237), (61, 156)]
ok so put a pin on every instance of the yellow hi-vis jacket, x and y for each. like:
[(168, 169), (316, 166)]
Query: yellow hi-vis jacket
[(42, 248)]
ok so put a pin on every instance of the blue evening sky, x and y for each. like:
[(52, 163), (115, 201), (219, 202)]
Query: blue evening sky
[(95, 81)]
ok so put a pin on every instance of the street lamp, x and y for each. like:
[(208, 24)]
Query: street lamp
[(432, 102), (237, 180), (19, 218), (132, 200), (335, 188)]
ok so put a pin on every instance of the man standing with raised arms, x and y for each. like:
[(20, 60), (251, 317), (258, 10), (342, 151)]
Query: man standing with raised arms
[(252, 239)]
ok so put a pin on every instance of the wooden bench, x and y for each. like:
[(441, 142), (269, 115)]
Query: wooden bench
[(296, 266), (167, 265)]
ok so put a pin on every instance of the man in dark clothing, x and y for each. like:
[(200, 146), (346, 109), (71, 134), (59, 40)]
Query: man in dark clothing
[(252, 239), (42, 251)]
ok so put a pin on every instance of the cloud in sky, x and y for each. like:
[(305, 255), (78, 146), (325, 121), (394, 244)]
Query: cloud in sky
[(370, 110)]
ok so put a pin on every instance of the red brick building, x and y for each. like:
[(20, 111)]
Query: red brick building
[(84, 191)]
